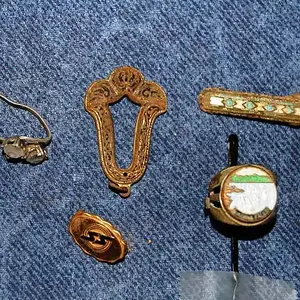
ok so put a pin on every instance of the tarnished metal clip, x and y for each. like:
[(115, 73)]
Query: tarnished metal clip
[(125, 82), (284, 109)]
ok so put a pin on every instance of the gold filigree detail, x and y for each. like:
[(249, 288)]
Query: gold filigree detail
[(125, 82), (283, 109)]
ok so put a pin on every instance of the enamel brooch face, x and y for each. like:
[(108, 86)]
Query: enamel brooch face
[(243, 195), (281, 109)]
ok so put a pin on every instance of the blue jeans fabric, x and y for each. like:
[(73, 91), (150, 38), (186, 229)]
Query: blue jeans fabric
[(51, 51)]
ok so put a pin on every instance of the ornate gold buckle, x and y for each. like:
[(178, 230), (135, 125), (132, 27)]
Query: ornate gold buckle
[(125, 81)]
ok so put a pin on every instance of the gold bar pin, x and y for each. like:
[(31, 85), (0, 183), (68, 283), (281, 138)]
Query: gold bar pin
[(284, 109)]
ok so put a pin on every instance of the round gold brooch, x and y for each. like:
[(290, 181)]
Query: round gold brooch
[(244, 195)]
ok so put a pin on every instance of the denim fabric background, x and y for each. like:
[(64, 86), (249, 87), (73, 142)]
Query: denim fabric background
[(51, 51)]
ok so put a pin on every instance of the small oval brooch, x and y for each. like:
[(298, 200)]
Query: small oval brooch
[(97, 237)]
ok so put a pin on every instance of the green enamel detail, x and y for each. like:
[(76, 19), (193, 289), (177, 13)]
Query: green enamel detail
[(270, 107), (250, 105), (251, 179), (289, 110), (230, 102)]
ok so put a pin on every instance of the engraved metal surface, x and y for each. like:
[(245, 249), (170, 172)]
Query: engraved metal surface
[(125, 82), (243, 195), (283, 109), (97, 237)]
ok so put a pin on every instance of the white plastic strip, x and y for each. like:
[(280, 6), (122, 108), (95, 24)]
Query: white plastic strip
[(212, 285)]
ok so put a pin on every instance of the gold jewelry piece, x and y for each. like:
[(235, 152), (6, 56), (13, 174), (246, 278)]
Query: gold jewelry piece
[(23, 148), (97, 237), (125, 81), (285, 109), (244, 195), (241, 198)]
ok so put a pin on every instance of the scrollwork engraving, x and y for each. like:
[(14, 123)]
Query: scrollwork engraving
[(129, 82)]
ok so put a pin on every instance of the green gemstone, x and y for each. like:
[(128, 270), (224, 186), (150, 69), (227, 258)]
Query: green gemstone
[(230, 102), (270, 107), (289, 110), (250, 105)]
